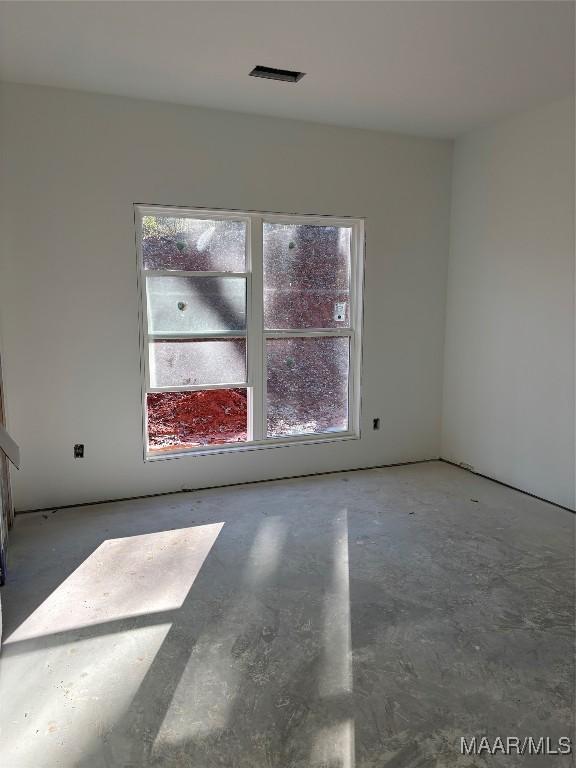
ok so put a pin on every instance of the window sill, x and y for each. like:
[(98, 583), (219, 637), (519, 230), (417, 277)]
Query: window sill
[(204, 450)]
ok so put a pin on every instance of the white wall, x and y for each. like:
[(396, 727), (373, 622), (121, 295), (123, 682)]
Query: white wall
[(72, 166), (509, 352)]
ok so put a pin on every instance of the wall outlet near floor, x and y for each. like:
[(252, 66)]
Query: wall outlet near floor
[(79, 451)]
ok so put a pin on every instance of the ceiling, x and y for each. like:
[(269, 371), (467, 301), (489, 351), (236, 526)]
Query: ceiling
[(427, 68)]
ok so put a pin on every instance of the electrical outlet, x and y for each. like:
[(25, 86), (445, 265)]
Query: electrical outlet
[(375, 423), (79, 451)]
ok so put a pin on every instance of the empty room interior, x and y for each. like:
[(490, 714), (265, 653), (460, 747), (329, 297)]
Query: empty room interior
[(287, 384)]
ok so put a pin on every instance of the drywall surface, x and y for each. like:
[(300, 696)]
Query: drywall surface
[(74, 164), (509, 352)]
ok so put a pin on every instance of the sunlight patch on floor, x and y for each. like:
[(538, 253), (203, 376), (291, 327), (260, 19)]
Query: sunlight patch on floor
[(123, 578), (334, 746), (61, 661), (336, 674), (68, 696), (208, 688)]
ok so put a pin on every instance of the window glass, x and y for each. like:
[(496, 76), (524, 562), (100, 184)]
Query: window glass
[(306, 276), (193, 245), (196, 304), (307, 385), (195, 362)]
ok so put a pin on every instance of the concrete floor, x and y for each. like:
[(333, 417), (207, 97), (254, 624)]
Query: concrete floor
[(356, 620)]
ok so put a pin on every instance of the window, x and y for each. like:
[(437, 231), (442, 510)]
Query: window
[(250, 328)]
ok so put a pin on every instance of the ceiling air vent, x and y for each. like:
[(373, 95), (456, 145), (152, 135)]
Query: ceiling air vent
[(287, 75)]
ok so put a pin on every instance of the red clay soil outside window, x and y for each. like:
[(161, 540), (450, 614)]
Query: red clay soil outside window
[(189, 419)]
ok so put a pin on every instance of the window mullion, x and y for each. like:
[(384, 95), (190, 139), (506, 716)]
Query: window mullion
[(255, 323)]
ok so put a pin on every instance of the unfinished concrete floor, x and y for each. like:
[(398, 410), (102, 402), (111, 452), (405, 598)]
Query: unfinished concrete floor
[(361, 619)]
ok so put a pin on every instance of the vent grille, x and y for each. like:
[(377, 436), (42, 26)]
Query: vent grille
[(270, 73)]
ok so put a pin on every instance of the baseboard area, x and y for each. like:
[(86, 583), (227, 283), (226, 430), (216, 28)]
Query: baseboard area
[(223, 485), (463, 466), (470, 469)]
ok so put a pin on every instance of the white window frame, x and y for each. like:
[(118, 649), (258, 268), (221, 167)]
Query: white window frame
[(254, 334)]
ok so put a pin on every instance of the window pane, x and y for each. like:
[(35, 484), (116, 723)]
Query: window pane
[(188, 419), (306, 276), (307, 385), (194, 245), (195, 362), (196, 304)]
